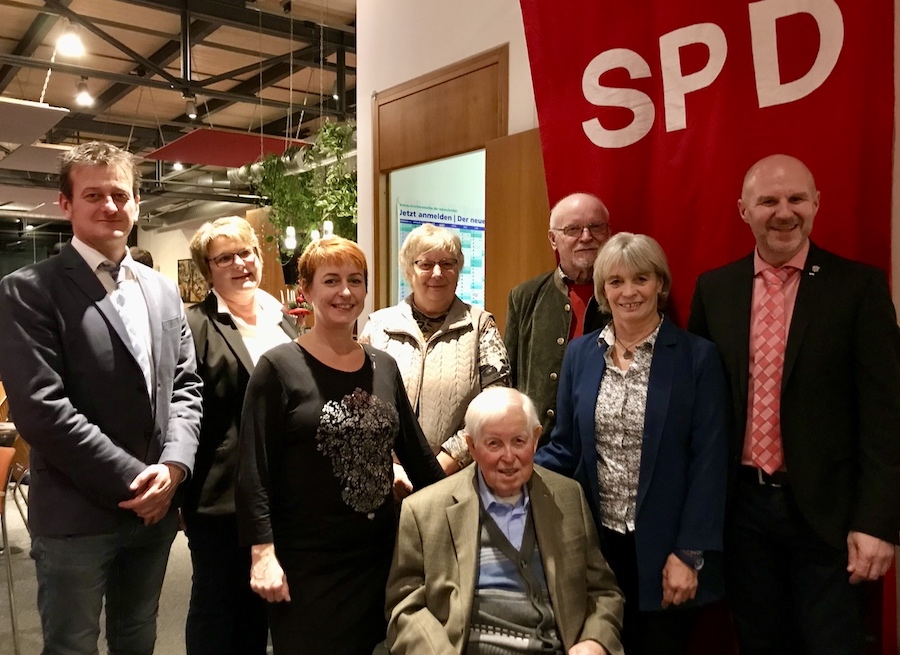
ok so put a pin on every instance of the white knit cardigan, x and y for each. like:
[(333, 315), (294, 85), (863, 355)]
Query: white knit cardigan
[(441, 374)]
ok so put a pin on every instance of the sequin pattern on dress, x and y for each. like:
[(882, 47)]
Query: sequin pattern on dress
[(357, 434)]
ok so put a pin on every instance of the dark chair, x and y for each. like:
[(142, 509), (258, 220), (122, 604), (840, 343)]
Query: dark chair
[(6, 458)]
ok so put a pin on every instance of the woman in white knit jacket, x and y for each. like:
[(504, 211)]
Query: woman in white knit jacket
[(447, 350)]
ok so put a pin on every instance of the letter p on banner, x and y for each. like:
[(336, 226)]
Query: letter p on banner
[(660, 107)]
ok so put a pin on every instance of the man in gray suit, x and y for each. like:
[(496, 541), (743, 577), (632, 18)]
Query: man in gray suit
[(503, 556), (98, 362)]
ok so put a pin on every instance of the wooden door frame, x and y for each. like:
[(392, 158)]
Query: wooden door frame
[(498, 57)]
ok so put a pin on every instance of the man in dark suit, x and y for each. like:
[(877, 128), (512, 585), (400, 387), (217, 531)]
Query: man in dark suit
[(99, 365), (501, 557), (545, 313), (811, 348)]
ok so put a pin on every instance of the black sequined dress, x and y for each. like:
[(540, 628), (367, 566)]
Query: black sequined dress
[(315, 478)]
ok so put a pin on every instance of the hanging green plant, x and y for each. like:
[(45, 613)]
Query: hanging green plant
[(326, 190)]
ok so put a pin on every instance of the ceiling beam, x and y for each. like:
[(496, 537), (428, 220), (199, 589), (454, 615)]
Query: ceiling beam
[(268, 77), (86, 123), (28, 180), (30, 42), (280, 125), (235, 13), (307, 55), (162, 57), (114, 42), (237, 95)]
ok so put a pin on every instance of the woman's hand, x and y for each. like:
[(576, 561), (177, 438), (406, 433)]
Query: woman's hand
[(447, 463), (267, 578), (402, 486), (679, 582)]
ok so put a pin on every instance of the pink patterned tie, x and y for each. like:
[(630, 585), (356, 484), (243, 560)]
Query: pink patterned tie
[(766, 372)]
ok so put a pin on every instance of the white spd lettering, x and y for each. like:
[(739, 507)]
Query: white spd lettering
[(770, 90)]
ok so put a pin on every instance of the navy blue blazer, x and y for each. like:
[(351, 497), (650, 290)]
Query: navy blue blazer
[(79, 395), (682, 480)]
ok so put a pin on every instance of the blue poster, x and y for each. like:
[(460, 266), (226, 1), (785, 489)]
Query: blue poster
[(470, 229)]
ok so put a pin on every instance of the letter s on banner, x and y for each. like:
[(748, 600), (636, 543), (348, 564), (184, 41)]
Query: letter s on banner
[(675, 85), (602, 96), (763, 16)]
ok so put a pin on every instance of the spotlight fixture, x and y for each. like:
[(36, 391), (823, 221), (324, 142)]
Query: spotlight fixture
[(334, 91), (190, 106), (69, 43), (178, 166), (83, 97)]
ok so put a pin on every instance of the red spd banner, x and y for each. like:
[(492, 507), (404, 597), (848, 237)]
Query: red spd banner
[(661, 107)]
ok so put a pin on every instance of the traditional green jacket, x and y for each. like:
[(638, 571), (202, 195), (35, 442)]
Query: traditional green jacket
[(537, 333)]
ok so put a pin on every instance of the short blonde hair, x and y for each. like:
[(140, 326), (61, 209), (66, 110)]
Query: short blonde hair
[(232, 227), (331, 250), (425, 238), (639, 254)]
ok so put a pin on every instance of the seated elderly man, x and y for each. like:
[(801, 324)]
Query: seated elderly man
[(502, 557)]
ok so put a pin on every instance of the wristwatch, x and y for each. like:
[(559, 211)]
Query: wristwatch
[(693, 558)]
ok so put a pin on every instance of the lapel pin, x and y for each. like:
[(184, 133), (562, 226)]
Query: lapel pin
[(815, 269)]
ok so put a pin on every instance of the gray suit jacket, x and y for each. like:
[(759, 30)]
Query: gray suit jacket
[(435, 567), (79, 398)]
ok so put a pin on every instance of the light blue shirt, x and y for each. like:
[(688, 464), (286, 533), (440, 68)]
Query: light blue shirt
[(509, 516)]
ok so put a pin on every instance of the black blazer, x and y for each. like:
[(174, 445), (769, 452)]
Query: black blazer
[(225, 366), (840, 403), (79, 396)]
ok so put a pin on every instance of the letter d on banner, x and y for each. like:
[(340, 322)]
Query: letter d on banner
[(603, 96), (763, 16)]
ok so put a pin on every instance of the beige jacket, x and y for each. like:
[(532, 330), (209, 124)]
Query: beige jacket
[(435, 566), (445, 373)]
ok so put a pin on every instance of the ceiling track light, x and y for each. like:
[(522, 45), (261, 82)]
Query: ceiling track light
[(190, 106), (83, 97), (69, 42), (334, 91)]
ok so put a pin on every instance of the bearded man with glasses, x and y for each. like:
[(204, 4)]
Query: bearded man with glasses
[(547, 312)]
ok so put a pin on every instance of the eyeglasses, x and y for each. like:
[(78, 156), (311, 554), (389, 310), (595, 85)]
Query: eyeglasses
[(572, 231), (426, 265), (227, 258)]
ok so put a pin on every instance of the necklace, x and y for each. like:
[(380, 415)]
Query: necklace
[(628, 352)]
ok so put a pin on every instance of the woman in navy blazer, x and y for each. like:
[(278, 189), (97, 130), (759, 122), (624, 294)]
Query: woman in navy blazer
[(641, 424)]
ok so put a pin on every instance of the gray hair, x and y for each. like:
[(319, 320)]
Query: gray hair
[(639, 254), (493, 404), (425, 238)]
